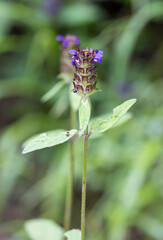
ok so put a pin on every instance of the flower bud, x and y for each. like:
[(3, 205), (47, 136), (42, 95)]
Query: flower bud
[(84, 61)]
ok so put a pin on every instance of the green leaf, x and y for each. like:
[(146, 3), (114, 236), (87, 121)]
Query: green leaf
[(102, 124), (74, 234), (48, 139), (125, 118), (41, 229), (84, 114), (51, 93), (80, 13)]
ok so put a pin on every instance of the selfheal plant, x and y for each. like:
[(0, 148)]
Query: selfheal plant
[(84, 62), (66, 70), (68, 42), (66, 74)]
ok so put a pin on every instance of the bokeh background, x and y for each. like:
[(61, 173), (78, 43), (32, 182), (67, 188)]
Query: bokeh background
[(125, 166)]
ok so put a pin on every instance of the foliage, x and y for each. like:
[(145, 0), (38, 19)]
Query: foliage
[(43, 228), (125, 165), (39, 229)]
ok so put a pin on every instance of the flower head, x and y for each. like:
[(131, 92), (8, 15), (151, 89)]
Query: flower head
[(69, 41), (85, 61)]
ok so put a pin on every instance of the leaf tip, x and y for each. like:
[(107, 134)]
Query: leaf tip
[(133, 100), (43, 99), (24, 151)]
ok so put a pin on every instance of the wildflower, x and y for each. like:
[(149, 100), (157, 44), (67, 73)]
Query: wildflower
[(68, 42), (85, 60), (60, 38)]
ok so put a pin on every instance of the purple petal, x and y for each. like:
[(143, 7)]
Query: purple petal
[(77, 42), (65, 43), (97, 59), (99, 54), (73, 62), (60, 38), (73, 52)]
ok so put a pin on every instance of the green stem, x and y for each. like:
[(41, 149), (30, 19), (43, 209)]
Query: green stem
[(69, 196), (83, 207)]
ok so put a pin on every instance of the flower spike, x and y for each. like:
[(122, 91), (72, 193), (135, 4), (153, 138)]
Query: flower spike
[(68, 42), (85, 61)]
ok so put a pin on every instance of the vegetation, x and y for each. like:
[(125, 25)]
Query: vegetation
[(124, 167)]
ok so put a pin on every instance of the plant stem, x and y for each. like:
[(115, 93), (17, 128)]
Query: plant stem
[(69, 196), (83, 207)]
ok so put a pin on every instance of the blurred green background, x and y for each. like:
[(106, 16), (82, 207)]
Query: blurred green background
[(125, 166)]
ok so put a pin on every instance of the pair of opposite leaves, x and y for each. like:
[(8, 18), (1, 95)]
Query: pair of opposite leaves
[(100, 125)]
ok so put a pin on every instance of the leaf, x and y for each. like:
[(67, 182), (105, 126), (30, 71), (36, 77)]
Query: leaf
[(72, 14), (74, 234), (51, 93), (61, 104), (125, 118), (122, 121), (84, 114), (48, 139), (41, 229), (101, 125)]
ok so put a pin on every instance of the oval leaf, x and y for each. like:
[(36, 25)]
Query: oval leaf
[(124, 119), (102, 124), (74, 234), (48, 139), (41, 229), (84, 114), (51, 93)]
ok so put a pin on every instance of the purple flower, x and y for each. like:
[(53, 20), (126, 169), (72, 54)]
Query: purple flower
[(98, 56), (97, 60), (60, 38), (74, 57), (65, 43), (69, 41), (73, 62), (73, 52), (77, 42)]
